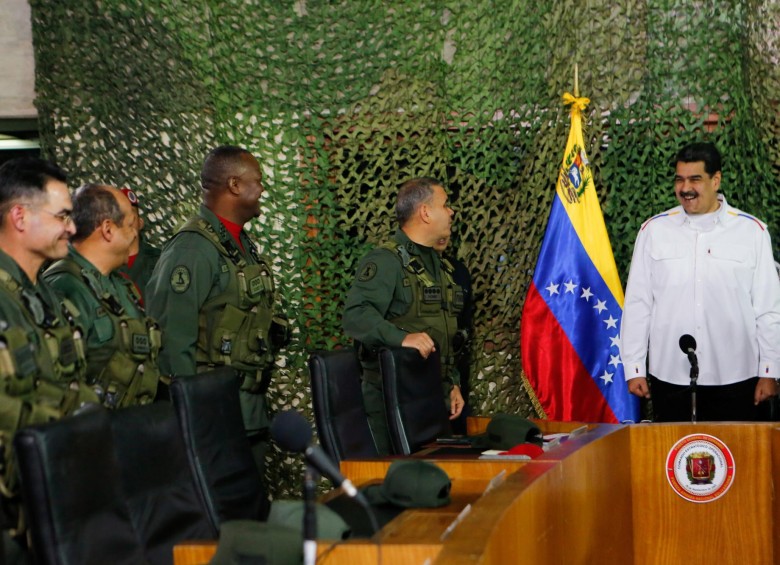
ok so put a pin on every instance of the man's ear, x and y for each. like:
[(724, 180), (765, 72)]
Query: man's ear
[(716, 180), (232, 185), (17, 216), (425, 213), (107, 229)]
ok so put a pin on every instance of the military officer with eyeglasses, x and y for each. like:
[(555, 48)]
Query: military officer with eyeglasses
[(42, 365)]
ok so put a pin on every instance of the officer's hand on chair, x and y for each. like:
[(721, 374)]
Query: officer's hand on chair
[(456, 402), (422, 342)]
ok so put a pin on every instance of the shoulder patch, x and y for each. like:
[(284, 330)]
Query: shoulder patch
[(180, 279), (368, 272)]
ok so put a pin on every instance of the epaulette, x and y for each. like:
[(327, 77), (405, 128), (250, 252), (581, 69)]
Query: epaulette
[(662, 215), (760, 224)]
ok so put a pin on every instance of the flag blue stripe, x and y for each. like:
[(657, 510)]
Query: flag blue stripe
[(563, 260)]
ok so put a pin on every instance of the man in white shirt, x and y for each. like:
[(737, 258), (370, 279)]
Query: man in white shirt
[(704, 269)]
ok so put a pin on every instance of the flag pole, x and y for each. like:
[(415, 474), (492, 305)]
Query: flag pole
[(576, 82)]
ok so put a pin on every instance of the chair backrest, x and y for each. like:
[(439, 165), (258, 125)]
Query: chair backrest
[(219, 453), (342, 423), (414, 398), (166, 504), (72, 493)]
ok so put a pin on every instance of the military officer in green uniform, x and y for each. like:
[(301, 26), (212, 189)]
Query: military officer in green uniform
[(122, 342), (214, 294), (41, 351), (143, 256), (404, 295)]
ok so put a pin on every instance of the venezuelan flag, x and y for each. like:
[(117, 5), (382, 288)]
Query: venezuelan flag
[(570, 325)]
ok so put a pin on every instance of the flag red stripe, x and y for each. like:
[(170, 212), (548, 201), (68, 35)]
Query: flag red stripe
[(547, 351)]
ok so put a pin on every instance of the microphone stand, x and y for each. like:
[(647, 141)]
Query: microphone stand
[(694, 378), (309, 516)]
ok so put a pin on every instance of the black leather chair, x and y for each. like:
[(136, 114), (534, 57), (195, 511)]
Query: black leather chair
[(414, 398), (72, 491), (342, 424), (218, 450), (165, 502)]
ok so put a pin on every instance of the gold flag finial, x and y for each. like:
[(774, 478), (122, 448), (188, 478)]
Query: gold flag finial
[(577, 104)]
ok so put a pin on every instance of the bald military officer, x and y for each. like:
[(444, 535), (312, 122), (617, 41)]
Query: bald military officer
[(122, 341), (214, 294)]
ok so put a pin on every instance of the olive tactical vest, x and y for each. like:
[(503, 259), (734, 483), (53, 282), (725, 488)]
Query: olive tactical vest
[(123, 369), (434, 308), (235, 325), (41, 368)]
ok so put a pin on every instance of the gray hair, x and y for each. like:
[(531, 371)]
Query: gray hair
[(413, 193)]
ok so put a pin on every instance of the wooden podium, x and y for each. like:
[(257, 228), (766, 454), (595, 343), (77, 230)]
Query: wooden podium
[(598, 499), (601, 498)]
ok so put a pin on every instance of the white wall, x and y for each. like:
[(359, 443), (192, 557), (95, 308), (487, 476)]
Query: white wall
[(17, 67)]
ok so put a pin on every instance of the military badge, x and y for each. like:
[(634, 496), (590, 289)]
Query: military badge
[(180, 279), (368, 272), (700, 468)]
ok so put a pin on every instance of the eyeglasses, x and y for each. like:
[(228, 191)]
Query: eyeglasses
[(65, 216)]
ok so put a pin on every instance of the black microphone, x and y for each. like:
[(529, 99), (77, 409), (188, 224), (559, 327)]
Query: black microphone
[(688, 346), (293, 433)]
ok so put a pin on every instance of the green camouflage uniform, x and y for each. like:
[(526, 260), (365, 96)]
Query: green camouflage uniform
[(400, 288), (216, 306), (122, 342), (41, 366)]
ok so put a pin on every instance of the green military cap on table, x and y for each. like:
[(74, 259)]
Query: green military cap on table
[(506, 431), (262, 543), (411, 483), (289, 513), (408, 483)]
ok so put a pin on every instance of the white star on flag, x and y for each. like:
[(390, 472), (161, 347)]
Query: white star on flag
[(552, 289), (611, 322), (614, 360), (615, 339), (570, 286), (601, 305), (606, 377), (586, 294)]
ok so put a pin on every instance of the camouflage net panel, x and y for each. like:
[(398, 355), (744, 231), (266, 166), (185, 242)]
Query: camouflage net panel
[(342, 101)]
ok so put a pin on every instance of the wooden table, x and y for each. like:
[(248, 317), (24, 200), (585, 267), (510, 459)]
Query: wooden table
[(600, 498)]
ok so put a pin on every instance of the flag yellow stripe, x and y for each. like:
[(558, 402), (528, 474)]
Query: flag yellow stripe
[(585, 213)]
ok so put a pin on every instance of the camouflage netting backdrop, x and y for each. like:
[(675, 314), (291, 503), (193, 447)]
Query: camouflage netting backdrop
[(343, 100)]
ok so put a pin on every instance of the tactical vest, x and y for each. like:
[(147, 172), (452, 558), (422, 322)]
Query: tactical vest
[(41, 369), (434, 308), (123, 369), (237, 326)]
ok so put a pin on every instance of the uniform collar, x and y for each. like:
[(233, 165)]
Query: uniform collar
[(225, 237), (679, 216), (212, 219), (412, 247), (9, 265), (82, 261), (428, 255)]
